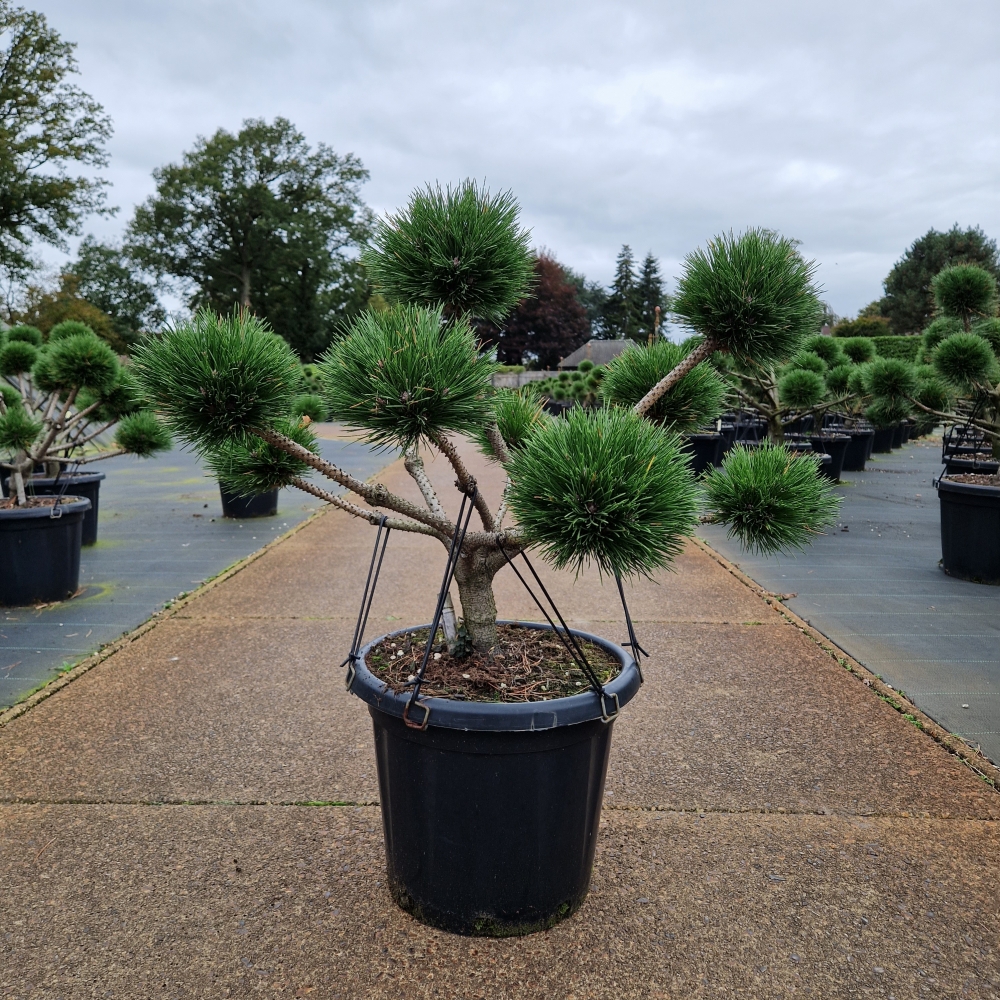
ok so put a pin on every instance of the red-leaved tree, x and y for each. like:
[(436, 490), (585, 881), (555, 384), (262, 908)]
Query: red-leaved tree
[(549, 324)]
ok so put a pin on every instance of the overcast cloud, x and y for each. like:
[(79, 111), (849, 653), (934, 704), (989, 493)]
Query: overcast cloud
[(853, 126)]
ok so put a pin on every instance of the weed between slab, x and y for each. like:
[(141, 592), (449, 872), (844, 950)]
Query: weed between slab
[(525, 665)]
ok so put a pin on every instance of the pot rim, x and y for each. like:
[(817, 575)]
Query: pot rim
[(485, 716), (972, 489), (71, 505), (74, 477)]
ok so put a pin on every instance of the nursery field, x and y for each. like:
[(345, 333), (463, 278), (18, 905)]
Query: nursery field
[(161, 533), (873, 585)]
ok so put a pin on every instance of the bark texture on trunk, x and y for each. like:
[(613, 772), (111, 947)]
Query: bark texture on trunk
[(474, 576), (775, 430)]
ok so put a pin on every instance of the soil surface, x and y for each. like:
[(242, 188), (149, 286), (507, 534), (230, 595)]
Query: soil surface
[(9, 503), (975, 478), (527, 665)]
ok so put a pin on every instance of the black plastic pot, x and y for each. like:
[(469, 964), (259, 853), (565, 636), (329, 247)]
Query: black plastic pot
[(79, 484), (856, 453), (970, 530), (907, 428), (956, 466), (39, 553), (834, 445), (261, 505), (882, 441), (897, 436), (491, 813), (705, 449)]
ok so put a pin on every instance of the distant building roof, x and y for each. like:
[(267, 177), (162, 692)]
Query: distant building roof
[(598, 351)]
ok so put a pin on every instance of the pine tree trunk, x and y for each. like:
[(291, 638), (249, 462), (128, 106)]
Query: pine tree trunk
[(775, 429), (479, 608)]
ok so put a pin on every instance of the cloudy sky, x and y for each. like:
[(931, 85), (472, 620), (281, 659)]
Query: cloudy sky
[(853, 125)]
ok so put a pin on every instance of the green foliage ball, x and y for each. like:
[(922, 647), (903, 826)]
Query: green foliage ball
[(18, 430), (695, 399), (123, 398), (402, 375), (27, 334), (246, 465), (961, 359), (934, 393), (605, 486), (585, 366), (17, 357), (559, 394), (69, 328), (11, 396), (141, 433), (563, 377), (890, 377), (216, 375), (837, 379), (937, 330), (801, 388), (887, 411), (310, 405), (858, 349), (989, 330), (753, 294), (518, 414), (807, 361), (965, 291), (83, 360), (460, 248), (830, 350), (771, 500), (857, 381)]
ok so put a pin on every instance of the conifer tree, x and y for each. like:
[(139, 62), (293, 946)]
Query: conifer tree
[(620, 310), (648, 295)]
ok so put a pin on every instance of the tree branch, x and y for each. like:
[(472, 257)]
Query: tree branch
[(367, 515), (497, 443), (466, 480), (414, 465), (375, 493), (700, 353)]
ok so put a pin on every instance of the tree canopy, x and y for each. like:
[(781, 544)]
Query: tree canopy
[(549, 324), (621, 314), (260, 220), (47, 126), (909, 301)]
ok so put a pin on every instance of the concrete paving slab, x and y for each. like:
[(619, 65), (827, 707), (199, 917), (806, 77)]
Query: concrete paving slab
[(225, 901), (877, 591)]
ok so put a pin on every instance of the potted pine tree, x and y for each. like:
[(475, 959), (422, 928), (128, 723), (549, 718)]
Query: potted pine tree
[(492, 737), (58, 401), (962, 387)]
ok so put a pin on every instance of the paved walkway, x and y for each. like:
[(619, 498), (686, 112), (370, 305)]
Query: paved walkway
[(161, 533), (196, 816), (874, 586)]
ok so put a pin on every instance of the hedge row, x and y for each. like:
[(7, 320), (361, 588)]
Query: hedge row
[(905, 348)]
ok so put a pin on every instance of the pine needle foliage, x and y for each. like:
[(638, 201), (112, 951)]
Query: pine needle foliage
[(459, 248), (311, 405), (247, 465), (68, 328), (858, 349), (887, 411), (801, 388), (141, 433), (837, 379), (807, 361), (694, 400), (402, 375), (890, 377), (83, 359), (857, 381), (964, 358), (937, 330), (604, 486), (518, 414), (17, 357), (18, 430), (966, 292), (27, 334), (934, 393), (123, 398), (989, 329), (770, 499), (829, 349), (216, 375), (753, 294)]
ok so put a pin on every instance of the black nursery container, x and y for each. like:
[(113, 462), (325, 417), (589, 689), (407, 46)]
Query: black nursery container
[(261, 505), (970, 530), (882, 441), (491, 813), (857, 452), (705, 450), (39, 553), (897, 436), (79, 484), (834, 445)]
